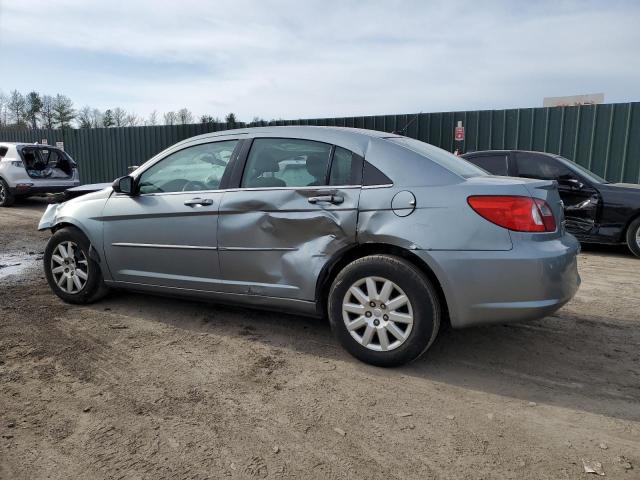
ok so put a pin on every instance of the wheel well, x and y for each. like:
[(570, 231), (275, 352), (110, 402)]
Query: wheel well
[(60, 226), (331, 271)]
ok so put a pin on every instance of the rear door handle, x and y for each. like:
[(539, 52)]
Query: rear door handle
[(335, 199), (198, 201)]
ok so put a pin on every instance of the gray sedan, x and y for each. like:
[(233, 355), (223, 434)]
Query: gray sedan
[(387, 236)]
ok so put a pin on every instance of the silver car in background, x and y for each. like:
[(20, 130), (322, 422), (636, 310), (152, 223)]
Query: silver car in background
[(387, 236), (29, 169)]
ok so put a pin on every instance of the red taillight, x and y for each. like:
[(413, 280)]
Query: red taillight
[(521, 214)]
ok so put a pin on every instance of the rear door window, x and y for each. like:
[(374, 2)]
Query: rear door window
[(494, 164), (536, 165), (286, 162)]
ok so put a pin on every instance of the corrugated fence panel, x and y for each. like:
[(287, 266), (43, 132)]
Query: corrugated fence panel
[(604, 138)]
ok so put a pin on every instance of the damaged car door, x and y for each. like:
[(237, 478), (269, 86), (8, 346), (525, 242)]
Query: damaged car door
[(580, 199), (164, 234), (295, 204)]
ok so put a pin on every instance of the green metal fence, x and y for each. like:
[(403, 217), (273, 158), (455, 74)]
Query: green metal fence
[(603, 138)]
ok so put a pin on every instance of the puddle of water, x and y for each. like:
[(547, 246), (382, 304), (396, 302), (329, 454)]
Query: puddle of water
[(17, 263)]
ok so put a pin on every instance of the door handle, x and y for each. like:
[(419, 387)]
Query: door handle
[(335, 199), (198, 201)]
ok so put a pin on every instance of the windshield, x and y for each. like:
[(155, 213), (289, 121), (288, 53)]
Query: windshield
[(592, 177), (454, 164)]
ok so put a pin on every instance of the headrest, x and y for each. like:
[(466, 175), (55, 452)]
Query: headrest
[(316, 165), (266, 163)]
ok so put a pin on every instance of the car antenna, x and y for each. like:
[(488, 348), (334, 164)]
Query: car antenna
[(404, 129)]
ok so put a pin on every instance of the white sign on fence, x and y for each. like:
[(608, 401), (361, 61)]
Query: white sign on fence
[(60, 145)]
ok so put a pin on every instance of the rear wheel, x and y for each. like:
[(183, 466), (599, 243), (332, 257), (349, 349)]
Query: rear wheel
[(633, 237), (6, 197), (70, 272), (384, 310)]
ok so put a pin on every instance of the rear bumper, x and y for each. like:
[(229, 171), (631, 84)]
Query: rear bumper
[(529, 282), (33, 190)]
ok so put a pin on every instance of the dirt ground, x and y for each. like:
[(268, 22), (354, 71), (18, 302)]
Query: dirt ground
[(145, 387)]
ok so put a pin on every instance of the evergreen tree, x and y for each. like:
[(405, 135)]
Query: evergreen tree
[(33, 108), (46, 112), (231, 120), (63, 112), (107, 119)]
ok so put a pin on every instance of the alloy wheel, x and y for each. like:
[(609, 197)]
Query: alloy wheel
[(3, 193), (377, 314), (69, 267)]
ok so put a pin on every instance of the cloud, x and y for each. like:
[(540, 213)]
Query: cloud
[(323, 58)]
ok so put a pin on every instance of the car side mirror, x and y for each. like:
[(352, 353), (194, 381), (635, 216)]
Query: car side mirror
[(572, 183), (124, 185)]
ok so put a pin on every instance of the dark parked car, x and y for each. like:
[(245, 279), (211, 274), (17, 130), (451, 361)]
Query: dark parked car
[(596, 211)]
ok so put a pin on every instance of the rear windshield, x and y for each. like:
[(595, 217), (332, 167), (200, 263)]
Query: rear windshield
[(454, 164)]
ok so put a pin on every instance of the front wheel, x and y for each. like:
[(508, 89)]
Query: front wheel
[(6, 197), (384, 310), (70, 272), (633, 237)]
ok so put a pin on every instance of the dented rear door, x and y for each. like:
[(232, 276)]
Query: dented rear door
[(275, 241)]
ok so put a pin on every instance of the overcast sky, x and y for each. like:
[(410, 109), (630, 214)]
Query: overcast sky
[(304, 59)]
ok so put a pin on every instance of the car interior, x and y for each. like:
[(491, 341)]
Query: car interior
[(273, 167), (46, 163)]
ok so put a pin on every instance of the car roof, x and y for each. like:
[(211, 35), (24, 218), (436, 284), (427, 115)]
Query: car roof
[(354, 139), (492, 152), (299, 130)]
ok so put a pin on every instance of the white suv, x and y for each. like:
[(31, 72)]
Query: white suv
[(29, 168)]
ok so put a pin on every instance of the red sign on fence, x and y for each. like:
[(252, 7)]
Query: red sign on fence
[(459, 134)]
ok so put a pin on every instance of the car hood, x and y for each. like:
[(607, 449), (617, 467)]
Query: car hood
[(95, 193), (66, 211)]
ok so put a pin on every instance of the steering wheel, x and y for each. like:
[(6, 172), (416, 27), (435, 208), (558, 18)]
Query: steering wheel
[(194, 185)]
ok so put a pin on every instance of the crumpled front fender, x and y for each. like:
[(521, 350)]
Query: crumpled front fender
[(48, 219)]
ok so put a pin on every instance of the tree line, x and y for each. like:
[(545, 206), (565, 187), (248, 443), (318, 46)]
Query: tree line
[(34, 110)]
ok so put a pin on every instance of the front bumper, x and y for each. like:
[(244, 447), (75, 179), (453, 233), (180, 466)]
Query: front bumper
[(529, 282)]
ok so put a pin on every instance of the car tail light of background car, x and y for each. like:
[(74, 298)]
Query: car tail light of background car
[(520, 214)]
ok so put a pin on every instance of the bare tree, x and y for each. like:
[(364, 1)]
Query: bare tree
[(4, 100), (17, 105), (96, 118), (185, 116), (153, 118), (47, 113), (132, 120), (84, 117), (63, 112), (170, 118), (119, 117), (258, 122)]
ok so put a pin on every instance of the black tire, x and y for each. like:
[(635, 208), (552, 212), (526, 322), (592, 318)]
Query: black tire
[(94, 288), (416, 286), (6, 197), (633, 237)]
